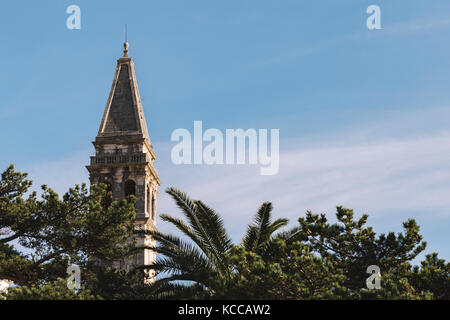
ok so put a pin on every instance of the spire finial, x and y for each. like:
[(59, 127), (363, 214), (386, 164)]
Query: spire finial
[(125, 44)]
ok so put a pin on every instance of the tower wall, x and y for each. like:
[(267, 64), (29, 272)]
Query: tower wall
[(124, 158)]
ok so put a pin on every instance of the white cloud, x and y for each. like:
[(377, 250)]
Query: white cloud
[(390, 179), (60, 174), (378, 178), (418, 25), (403, 28)]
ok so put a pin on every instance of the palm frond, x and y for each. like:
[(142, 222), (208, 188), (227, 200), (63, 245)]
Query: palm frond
[(289, 236), (261, 230), (167, 290), (207, 226), (277, 224), (218, 240), (186, 230)]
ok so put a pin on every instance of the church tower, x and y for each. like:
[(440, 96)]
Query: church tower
[(124, 157)]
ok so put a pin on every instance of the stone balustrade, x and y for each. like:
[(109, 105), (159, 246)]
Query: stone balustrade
[(120, 159)]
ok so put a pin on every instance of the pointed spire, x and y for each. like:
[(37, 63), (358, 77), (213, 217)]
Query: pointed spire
[(124, 114)]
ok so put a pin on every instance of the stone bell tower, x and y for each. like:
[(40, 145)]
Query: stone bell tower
[(124, 157)]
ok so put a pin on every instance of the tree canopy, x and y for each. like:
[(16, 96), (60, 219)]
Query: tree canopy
[(51, 232), (315, 259)]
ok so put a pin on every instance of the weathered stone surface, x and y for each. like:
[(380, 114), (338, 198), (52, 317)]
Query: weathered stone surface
[(124, 157), (121, 115)]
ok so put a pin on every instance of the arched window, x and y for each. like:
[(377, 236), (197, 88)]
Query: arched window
[(108, 199), (153, 207), (130, 188), (148, 202)]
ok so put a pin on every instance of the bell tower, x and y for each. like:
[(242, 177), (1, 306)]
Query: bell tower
[(124, 157)]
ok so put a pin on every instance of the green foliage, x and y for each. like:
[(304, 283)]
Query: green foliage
[(261, 230), (315, 260), (433, 276), (55, 290), (292, 272), (54, 231), (112, 284), (354, 247)]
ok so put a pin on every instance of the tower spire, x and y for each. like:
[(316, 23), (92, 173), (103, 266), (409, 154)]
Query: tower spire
[(124, 161), (124, 114)]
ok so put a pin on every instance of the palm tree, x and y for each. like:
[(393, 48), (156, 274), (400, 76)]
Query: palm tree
[(260, 232), (204, 259)]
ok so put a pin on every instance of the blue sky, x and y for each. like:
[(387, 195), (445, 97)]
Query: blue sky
[(364, 116)]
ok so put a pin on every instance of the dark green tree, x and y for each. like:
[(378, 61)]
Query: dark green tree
[(205, 260), (55, 290), (54, 231), (315, 260)]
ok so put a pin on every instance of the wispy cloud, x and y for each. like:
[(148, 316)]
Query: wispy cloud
[(59, 174), (382, 177), (417, 25), (391, 180), (310, 49), (388, 178), (403, 28)]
